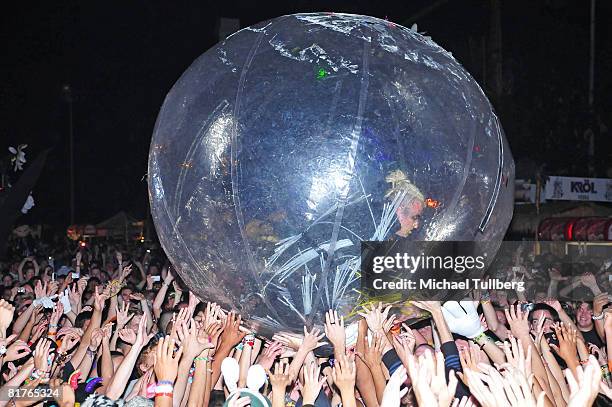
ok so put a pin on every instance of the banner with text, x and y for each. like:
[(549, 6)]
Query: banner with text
[(579, 189)]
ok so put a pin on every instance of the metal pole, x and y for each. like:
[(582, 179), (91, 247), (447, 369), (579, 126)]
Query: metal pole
[(71, 163), (592, 56), (67, 97)]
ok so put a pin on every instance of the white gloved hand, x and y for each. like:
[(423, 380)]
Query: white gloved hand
[(462, 318), (46, 302), (231, 372), (65, 301), (392, 395)]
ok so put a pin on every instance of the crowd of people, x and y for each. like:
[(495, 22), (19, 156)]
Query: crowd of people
[(103, 327)]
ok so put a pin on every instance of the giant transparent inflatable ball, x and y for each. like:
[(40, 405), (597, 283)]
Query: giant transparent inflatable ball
[(283, 147)]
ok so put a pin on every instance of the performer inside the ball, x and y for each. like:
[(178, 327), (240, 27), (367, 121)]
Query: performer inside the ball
[(411, 206)]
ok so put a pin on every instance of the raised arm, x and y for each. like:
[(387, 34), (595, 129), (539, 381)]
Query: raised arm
[(94, 323), (117, 384)]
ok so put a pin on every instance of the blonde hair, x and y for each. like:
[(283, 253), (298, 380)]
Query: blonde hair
[(400, 184)]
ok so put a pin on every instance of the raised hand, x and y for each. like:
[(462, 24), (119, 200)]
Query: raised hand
[(166, 362), (375, 316), (16, 351), (290, 341), (588, 280), (137, 296), (469, 359), (232, 335), (518, 321), (142, 338), (344, 375), (123, 315), (125, 273), (269, 354), (96, 339), (584, 385), (57, 313), (81, 285), (392, 394), (127, 335), (52, 288), (65, 330), (409, 336), (568, 338), (40, 290), (280, 379), (194, 341), (516, 355), (99, 300), (430, 306), (74, 297), (168, 277), (334, 330), (429, 380), (462, 318), (372, 354), (39, 330), (12, 371), (212, 314), (193, 302), (312, 339), (599, 353), (512, 388), (599, 302), (6, 316), (69, 340), (403, 346), (312, 383), (41, 355)]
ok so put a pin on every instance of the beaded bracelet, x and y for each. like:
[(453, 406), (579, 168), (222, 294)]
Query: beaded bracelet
[(202, 358), (163, 389), (249, 340)]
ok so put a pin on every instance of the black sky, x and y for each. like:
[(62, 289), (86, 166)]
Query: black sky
[(122, 57)]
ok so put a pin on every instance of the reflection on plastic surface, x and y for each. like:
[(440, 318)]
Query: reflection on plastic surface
[(284, 146)]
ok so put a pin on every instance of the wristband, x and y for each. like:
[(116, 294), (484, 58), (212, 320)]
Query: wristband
[(480, 337), (598, 317), (171, 383), (38, 374), (249, 340), (163, 394), (203, 358), (164, 389)]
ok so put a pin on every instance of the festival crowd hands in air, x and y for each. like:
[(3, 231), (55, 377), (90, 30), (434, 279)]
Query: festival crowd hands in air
[(117, 335)]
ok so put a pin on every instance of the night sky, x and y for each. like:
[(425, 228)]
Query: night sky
[(122, 57)]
